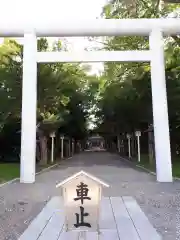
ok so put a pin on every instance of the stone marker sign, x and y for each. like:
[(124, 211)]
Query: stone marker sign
[(82, 195)]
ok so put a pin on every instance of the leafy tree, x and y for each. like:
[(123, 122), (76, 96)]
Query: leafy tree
[(62, 101), (125, 100)]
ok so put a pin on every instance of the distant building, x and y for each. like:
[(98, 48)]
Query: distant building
[(95, 141)]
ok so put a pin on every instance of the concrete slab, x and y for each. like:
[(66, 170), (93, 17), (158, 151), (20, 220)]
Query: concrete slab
[(121, 218)]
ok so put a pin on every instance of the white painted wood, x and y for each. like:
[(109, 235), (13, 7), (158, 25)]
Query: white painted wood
[(79, 174), (53, 229), (124, 223), (129, 147), (38, 224), (107, 220), (94, 56), (28, 115), (139, 147), (56, 26), (144, 228), (160, 108)]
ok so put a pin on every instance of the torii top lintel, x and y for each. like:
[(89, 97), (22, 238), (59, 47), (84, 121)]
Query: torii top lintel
[(56, 27)]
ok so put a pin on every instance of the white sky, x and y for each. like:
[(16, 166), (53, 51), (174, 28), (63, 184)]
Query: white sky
[(65, 9)]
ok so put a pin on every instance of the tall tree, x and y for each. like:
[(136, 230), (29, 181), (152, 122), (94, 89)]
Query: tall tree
[(61, 93), (125, 103)]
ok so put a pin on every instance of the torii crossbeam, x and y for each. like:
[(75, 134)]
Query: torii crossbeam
[(31, 28)]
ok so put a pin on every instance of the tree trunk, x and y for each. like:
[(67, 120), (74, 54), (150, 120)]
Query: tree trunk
[(118, 143), (151, 147), (44, 152), (133, 146), (38, 152)]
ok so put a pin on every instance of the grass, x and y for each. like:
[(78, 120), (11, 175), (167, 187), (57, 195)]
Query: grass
[(145, 163), (175, 165), (9, 171)]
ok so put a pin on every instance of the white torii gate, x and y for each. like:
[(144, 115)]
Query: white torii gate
[(54, 27)]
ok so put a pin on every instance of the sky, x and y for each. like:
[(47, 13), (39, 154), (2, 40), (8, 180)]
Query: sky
[(65, 9)]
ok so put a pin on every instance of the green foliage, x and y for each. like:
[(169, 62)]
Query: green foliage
[(125, 102), (10, 80), (50, 122), (9, 171), (63, 95), (119, 100)]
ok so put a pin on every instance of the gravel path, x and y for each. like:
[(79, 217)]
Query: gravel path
[(20, 203)]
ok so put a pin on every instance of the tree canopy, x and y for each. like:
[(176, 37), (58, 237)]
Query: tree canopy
[(63, 92), (125, 102), (117, 101)]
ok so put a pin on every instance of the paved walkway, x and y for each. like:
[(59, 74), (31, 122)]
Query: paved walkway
[(20, 203), (120, 218)]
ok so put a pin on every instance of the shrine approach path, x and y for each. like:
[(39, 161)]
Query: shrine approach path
[(20, 203)]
